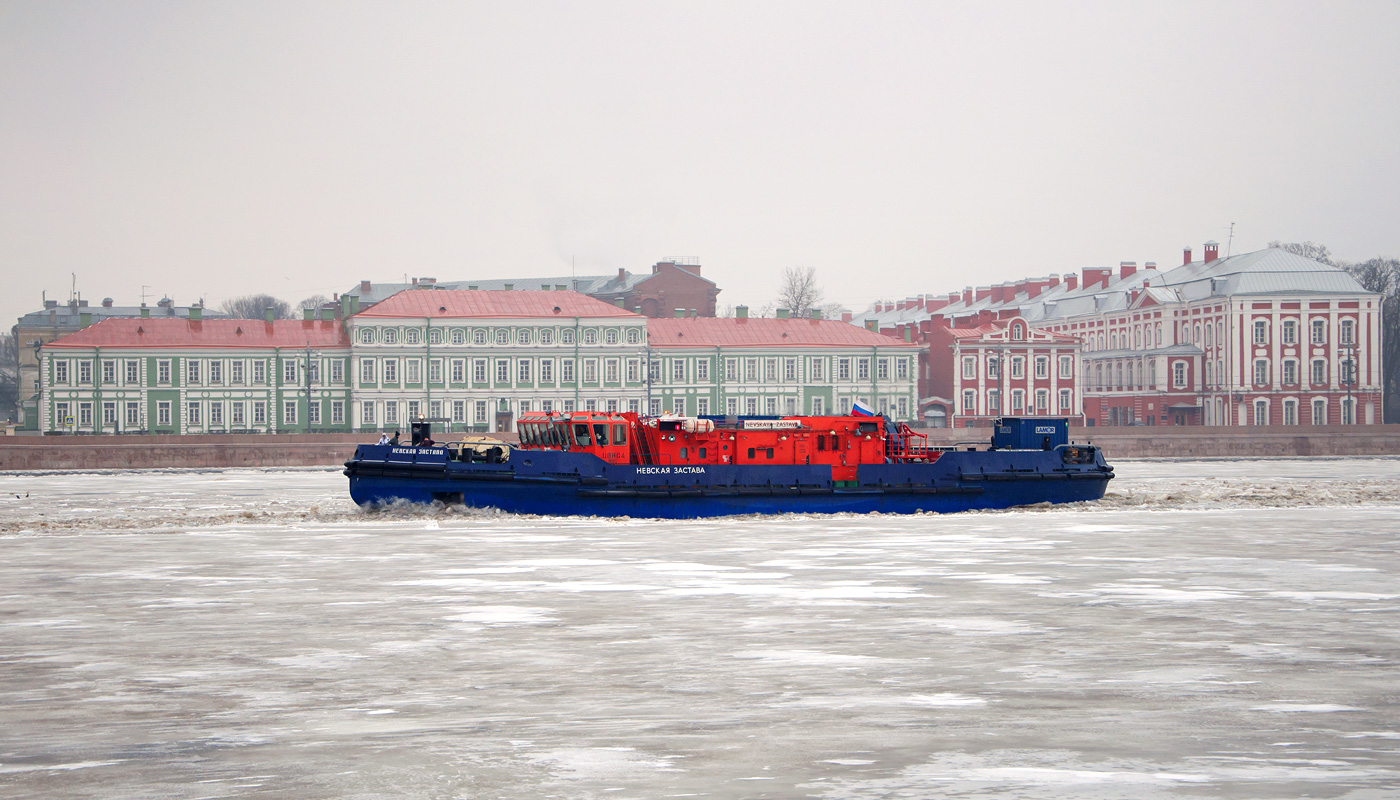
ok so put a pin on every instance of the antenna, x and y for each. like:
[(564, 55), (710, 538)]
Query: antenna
[(143, 294), (1230, 241)]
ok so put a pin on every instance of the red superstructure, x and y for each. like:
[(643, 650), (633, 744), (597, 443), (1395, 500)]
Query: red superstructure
[(844, 443)]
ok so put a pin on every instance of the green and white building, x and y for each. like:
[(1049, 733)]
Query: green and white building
[(741, 366), (189, 376), (476, 360)]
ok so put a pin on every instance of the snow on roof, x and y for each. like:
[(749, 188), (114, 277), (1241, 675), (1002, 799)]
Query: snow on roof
[(240, 333), (754, 332), (450, 304)]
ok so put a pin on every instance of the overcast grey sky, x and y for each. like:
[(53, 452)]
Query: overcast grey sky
[(215, 149)]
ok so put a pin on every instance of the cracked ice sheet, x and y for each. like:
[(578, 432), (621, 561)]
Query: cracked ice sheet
[(227, 630)]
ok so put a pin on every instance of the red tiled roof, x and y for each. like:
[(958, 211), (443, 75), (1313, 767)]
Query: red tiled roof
[(245, 333), (447, 303), (734, 332)]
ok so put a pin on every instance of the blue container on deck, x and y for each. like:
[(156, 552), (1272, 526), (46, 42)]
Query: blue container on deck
[(1019, 433)]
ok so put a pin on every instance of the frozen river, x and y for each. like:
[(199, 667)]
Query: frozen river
[(1211, 629)]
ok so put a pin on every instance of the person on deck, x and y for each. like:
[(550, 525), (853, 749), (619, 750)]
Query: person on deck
[(383, 438), (394, 442)]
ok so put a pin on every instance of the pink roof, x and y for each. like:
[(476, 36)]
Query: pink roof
[(734, 332), (990, 328), (242, 333), (450, 303)]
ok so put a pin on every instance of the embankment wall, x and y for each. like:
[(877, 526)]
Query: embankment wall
[(326, 450)]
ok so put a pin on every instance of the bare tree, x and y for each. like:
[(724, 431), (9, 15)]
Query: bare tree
[(1382, 275), (799, 292), (314, 301), (1313, 250), (254, 306)]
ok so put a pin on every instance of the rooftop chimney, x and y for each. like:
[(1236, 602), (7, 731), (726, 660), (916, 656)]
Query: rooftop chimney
[(741, 312), (1185, 256), (816, 313), (1071, 282), (782, 313), (269, 314), (621, 274), (1212, 251), (307, 314), (1126, 268), (196, 313), (1150, 265), (967, 296), (106, 302), (364, 287)]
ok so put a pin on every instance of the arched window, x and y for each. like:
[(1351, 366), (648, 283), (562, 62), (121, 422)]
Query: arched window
[(610, 337), (590, 336), (1018, 332), (524, 336), (634, 336), (1261, 331), (1319, 331), (502, 336), (434, 336), (459, 336), (1348, 331), (566, 336), (1261, 412), (410, 336), (547, 336), (366, 336)]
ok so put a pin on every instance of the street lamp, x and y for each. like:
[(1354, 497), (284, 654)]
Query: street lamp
[(1349, 379)]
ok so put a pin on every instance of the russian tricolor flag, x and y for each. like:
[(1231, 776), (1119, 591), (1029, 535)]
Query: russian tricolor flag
[(862, 410)]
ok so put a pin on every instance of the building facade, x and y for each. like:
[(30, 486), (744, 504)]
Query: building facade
[(741, 366), (36, 329), (1260, 338), (476, 360), (191, 376), (1002, 368)]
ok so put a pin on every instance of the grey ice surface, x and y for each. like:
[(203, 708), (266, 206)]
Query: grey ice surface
[(1211, 629)]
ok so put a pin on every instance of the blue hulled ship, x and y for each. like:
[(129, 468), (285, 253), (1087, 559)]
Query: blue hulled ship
[(620, 464)]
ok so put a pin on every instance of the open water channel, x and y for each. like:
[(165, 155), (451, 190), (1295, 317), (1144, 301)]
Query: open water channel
[(1212, 629)]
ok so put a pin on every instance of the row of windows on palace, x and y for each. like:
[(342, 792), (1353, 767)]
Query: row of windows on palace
[(1018, 402), (198, 413), (254, 413), (394, 412), (500, 336), (197, 371), (1016, 367), (1125, 374), (1206, 334), (386, 370)]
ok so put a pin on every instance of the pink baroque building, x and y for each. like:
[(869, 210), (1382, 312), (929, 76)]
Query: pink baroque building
[(1260, 338)]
